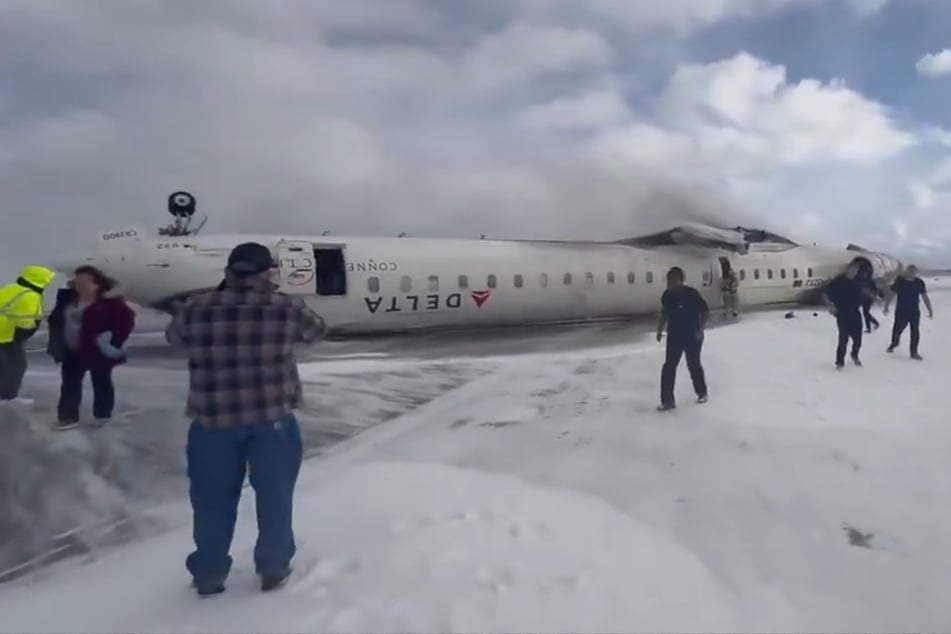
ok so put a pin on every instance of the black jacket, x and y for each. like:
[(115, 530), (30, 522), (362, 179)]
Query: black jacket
[(56, 342)]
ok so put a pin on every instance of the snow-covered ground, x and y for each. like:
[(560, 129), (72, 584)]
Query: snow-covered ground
[(548, 495)]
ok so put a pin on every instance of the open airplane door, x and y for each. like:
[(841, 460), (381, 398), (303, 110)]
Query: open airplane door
[(296, 267)]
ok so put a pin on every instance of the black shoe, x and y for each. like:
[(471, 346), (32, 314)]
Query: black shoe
[(917, 357), (856, 360), (839, 366), (208, 589), (702, 399), (891, 349), (63, 425), (666, 407), (274, 580)]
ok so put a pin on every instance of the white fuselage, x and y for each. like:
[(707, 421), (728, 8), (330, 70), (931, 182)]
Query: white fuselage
[(365, 285)]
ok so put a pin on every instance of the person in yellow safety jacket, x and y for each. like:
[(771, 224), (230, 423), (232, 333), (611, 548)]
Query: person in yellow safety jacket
[(21, 311)]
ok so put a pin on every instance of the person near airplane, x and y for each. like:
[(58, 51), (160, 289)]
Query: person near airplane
[(731, 285), (869, 296), (243, 390), (684, 312), (88, 328), (844, 296), (909, 289), (21, 312)]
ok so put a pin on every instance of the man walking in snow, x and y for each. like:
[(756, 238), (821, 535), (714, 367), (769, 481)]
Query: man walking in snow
[(685, 313), (910, 290), (844, 297), (243, 390)]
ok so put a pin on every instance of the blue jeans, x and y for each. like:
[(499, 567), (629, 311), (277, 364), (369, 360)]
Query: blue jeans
[(217, 461)]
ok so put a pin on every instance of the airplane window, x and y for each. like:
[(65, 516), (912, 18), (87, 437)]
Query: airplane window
[(755, 274), (518, 281), (795, 274), (650, 277), (810, 271), (373, 284), (463, 281), (742, 274), (433, 283), (491, 282), (630, 277), (543, 280), (589, 279), (406, 284), (782, 273), (769, 273), (610, 277), (567, 278), (706, 276)]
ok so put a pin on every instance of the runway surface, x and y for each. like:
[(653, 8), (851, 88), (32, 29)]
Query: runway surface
[(137, 463)]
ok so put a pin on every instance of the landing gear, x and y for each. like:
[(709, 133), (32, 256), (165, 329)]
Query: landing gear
[(182, 206)]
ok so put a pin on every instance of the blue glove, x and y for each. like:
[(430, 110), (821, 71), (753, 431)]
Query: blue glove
[(104, 343)]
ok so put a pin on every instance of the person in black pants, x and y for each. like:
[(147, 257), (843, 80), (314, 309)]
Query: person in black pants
[(870, 294), (844, 297), (685, 313), (908, 289), (87, 329)]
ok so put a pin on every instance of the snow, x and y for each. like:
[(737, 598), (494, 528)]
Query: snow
[(548, 495), (101, 486)]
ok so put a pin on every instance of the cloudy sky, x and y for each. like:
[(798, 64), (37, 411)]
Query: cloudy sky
[(827, 120)]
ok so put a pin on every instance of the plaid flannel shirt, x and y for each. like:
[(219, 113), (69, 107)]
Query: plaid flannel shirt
[(240, 340)]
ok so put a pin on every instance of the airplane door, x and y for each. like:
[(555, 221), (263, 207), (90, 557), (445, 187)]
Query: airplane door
[(709, 276), (296, 267), (711, 284)]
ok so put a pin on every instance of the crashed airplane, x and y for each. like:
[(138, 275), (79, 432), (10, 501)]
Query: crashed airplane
[(363, 285)]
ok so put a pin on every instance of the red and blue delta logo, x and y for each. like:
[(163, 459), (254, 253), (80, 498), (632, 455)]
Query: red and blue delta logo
[(480, 297)]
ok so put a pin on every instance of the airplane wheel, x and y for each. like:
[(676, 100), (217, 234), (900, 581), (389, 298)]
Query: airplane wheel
[(181, 204)]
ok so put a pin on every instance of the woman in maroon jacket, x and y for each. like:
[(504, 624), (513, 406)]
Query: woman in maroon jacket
[(92, 322)]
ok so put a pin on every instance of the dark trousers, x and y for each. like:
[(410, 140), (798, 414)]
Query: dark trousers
[(217, 462), (905, 320), (869, 319), (12, 369), (680, 345), (72, 374), (850, 327)]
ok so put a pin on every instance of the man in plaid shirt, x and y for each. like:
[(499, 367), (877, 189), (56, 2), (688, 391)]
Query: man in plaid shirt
[(243, 390)]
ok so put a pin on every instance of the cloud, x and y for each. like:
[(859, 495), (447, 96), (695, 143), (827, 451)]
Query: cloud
[(589, 110), (515, 119), (745, 104), (682, 16), (923, 194), (779, 149), (934, 64)]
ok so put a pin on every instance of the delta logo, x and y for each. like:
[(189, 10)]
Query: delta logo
[(481, 297)]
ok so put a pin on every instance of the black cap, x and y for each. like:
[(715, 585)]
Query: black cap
[(250, 258)]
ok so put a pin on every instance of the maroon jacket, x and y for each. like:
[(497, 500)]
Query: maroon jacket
[(109, 314)]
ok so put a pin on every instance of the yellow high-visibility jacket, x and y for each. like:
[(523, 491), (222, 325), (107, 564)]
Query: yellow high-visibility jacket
[(21, 303)]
